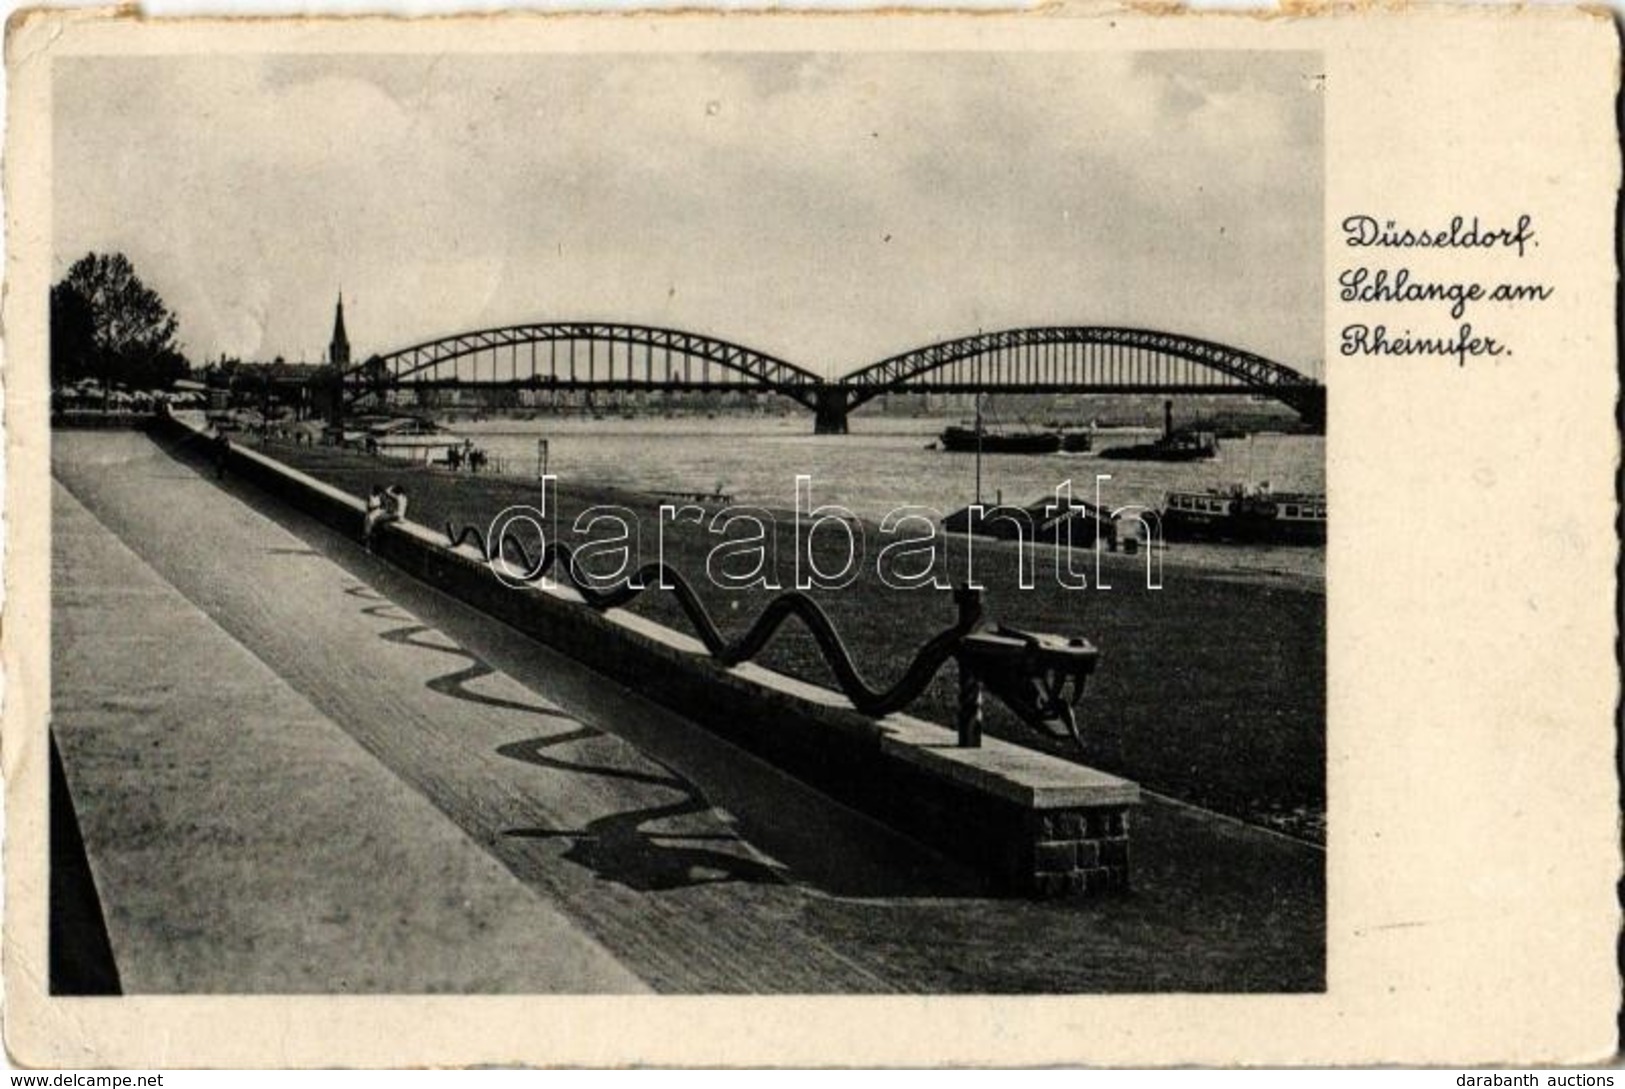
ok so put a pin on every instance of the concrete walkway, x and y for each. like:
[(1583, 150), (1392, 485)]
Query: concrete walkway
[(243, 842), (284, 754)]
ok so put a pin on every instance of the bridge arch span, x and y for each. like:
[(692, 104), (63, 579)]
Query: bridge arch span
[(582, 355), (1107, 359), (1084, 358)]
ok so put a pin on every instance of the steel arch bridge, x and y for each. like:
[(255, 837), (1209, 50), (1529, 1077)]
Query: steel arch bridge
[(1082, 359), (1042, 359), (581, 356)]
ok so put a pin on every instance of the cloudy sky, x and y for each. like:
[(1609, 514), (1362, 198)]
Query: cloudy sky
[(831, 209)]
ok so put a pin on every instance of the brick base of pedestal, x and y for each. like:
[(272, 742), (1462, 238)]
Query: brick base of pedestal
[(1073, 852)]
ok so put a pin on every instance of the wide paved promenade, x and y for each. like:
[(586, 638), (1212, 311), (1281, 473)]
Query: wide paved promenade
[(297, 770)]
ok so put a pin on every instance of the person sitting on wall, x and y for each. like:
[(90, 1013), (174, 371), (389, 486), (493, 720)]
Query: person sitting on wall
[(376, 513), (395, 502)]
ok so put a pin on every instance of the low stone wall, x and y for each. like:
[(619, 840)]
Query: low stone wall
[(1033, 824)]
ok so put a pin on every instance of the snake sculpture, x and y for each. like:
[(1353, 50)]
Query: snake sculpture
[(865, 697)]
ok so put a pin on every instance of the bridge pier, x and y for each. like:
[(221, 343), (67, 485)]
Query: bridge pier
[(1310, 404), (830, 409)]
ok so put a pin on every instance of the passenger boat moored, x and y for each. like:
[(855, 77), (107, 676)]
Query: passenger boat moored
[(1240, 514)]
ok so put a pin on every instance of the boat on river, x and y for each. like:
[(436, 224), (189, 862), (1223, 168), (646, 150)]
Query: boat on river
[(970, 440), (984, 438), (1175, 446), (1185, 444), (410, 438), (1077, 442), (1254, 515)]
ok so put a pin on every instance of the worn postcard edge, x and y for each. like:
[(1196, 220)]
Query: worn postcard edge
[(1395, 988)]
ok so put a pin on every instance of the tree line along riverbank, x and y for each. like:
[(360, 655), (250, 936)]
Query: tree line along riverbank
[(1210, 689)]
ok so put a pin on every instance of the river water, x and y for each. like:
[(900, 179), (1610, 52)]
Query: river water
[(885, 463)]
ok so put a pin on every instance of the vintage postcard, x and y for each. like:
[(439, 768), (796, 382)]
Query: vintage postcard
[(1060, 538)]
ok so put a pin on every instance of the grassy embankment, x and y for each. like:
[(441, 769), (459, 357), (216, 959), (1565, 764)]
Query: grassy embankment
[(1211, 689)]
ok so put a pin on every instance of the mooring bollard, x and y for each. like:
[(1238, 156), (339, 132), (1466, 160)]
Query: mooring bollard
[(970, 708)]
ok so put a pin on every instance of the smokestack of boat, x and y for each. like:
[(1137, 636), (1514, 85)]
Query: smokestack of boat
[(1167, 418)]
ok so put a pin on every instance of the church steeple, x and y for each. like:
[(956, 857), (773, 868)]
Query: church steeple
[(338, 351)]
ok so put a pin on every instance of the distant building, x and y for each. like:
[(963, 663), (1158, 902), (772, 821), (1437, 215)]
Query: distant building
[(338, 352)]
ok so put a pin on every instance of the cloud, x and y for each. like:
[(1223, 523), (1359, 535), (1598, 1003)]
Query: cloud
[(829, 208)]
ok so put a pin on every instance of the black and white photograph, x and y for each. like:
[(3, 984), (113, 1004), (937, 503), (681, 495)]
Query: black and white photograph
[(845, 541), (703, 523)]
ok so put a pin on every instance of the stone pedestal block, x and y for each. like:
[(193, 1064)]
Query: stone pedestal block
[(1073, 852)]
